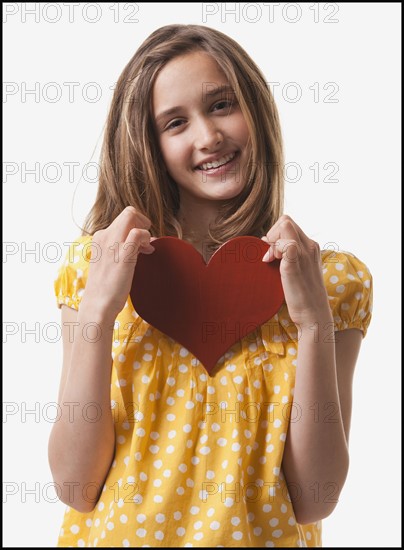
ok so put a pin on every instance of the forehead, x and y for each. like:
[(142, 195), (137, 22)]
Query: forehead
[(186, 77)]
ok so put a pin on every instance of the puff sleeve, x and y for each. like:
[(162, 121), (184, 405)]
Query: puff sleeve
[(349, 285), (71, 278)]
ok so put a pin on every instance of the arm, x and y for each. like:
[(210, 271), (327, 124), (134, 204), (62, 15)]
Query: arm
[(316, 455), (81, 451)]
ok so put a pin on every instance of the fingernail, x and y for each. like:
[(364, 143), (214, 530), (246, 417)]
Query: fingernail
[(266, 257)]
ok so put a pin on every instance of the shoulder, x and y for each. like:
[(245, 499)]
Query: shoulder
[(349, 285), (72, 274)]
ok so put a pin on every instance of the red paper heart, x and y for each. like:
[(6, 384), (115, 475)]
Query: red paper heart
[(207, 307)]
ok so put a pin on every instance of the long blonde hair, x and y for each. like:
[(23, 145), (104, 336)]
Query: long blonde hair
[(132, 171)]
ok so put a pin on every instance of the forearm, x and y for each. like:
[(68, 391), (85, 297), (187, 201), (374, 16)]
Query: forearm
[(81, 446), (317, 459)]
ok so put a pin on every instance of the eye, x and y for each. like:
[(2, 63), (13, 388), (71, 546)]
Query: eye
[(174, 124), (223, 105)]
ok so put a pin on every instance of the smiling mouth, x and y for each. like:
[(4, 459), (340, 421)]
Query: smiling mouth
[(205, 167)]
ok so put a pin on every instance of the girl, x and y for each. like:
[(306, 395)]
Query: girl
[(193, 149)]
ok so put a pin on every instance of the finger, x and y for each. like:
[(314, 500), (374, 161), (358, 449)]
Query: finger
[(287, 249), (286, 228), (140, 238), (128, 219), (269, 255)]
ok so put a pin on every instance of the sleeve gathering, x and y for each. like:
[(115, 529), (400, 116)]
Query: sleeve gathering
[(349, 285), (71, 278)]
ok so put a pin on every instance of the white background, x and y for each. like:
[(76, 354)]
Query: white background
[(360, 212)]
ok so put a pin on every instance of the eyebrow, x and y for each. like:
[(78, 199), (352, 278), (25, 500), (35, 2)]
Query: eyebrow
[(210, 92)]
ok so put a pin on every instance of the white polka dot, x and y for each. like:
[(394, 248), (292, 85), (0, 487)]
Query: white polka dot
[(222, 441), (340, 289), (183, 368), (141, 533), (125, 543), (177, 515), (123, 518), (110, 526), (198, 525), (277, 533), (334, 279), (235, 521), (160, 518), (180, 531), (273, 522), (74, 529), (237, 535), (215, 525)]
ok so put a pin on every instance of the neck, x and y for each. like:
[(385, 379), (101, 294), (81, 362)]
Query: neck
[(195, 216)]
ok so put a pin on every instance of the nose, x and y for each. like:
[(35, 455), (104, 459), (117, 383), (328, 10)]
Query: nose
[(207, 134)]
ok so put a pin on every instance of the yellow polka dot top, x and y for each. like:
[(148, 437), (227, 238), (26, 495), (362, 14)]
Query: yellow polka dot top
[(198, 457)]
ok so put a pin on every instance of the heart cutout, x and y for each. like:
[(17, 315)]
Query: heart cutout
[(207, 307)]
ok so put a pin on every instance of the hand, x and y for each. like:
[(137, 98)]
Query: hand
[(114, 252), (301, 272)]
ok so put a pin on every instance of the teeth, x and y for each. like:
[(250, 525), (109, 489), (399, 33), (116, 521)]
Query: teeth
[(217, 163)]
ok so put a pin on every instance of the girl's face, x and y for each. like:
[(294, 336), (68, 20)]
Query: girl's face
[(202, 132)]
